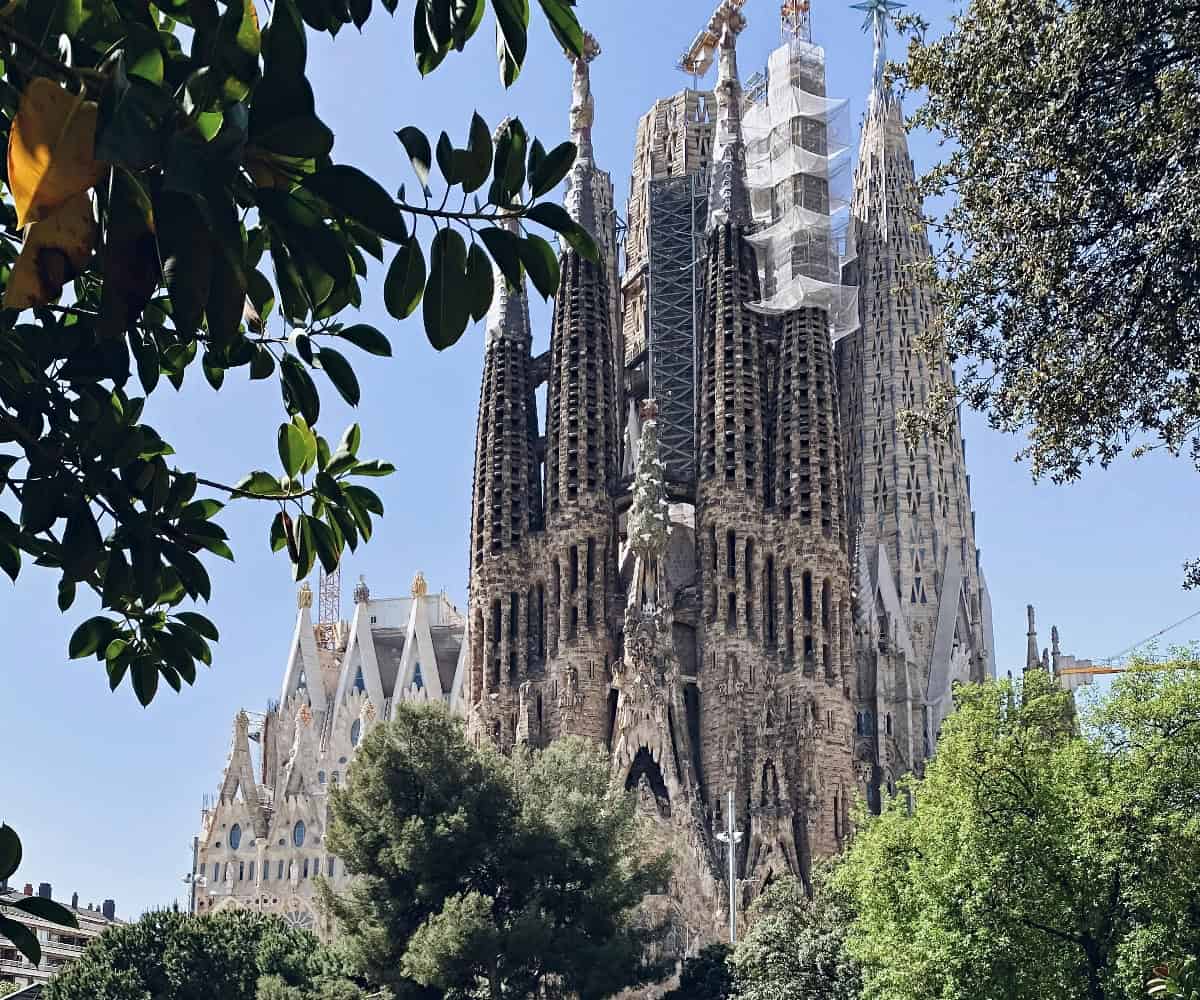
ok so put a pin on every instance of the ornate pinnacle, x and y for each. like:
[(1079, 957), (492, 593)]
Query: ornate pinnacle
[(729, 201), (419, 587), (361, 593), (582, 105), (879, 14), (304, 596)]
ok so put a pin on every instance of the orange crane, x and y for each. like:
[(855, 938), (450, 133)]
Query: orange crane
[(698, 59)]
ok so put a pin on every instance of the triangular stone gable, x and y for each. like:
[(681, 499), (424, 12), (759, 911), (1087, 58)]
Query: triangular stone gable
[(360, 656), (304, 664)]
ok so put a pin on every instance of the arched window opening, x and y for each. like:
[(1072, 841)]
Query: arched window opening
[(574, 568), (769, 601), (731, 555), (826, 605), (235, 837), (298, 833), (806, 589), (731, 613), (355, 735), (541, 635)]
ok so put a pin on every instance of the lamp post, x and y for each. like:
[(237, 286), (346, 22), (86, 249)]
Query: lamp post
[(731, 838)]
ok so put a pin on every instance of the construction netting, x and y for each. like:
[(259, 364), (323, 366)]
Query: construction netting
[(798, 170)]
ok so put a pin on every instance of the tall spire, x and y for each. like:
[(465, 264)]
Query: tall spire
[(1032, 660), (582, 104), (879, 14), (582, 194), (729, 200)]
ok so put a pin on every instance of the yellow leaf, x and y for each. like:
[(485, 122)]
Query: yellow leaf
[(54, 251), (50, 149)]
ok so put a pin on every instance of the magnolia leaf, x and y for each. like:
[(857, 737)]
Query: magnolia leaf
[(50, 149), (55, 251), (405, 282)]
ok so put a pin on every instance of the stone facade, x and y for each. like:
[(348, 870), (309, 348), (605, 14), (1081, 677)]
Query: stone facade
[(262, 835), (709, 594), (924, 619)]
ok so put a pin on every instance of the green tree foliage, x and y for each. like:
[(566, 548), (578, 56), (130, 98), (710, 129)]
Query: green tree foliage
[(174, 204), (796, 946), (705, 976), (1038, 862), (234, 955), (1069, 261), (485, 876)]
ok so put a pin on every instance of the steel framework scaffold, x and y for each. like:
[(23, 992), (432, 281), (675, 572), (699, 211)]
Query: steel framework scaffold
[(678, 207)]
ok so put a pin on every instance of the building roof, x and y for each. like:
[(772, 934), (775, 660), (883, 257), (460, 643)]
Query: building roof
[(31, 992)]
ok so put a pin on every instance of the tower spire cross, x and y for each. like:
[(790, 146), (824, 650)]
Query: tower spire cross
[(879, 14)]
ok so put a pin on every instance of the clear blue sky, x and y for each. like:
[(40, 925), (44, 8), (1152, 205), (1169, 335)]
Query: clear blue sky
[(107, 795)]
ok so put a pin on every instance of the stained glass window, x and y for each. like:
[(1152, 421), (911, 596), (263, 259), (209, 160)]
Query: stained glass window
[(355, 733), (298, 833), (235, 837)]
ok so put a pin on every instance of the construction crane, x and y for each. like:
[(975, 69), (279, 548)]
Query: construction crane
[(698, 59), (1095, 669), (794, 21), (329, 608)]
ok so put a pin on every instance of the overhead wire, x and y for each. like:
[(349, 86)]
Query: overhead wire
[(1149, 638)]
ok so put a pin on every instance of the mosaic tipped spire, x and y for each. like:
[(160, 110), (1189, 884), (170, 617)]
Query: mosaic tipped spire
[(580, 197), (582, 103), (729, 200), (879, 15)]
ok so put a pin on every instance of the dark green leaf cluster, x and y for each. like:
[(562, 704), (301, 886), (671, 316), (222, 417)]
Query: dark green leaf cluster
[(1046, 856), (1069, 264), (479, 875), (796, 944), (705, 976), (456, 284), (234, 955), (22, 937), (226, 238)]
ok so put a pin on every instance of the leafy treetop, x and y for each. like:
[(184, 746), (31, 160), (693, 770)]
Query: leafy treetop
[(173, 204), (1068, 262)]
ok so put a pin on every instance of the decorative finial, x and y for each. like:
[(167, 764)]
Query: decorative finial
[(582, 104), (1032, 660), (419, 587), (879, 14), (649, 409), (304, 596), (368, 710), (305, 715), (729, 200), (361, 593)]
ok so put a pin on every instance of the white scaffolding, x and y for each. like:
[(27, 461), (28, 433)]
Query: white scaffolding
[(798, 171)]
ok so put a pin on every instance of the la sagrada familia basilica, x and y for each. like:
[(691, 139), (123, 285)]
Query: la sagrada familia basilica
[(713, 553)]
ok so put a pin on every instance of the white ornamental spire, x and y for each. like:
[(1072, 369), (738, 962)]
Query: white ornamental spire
[(582, 104), (580, 197), (729, 200)]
